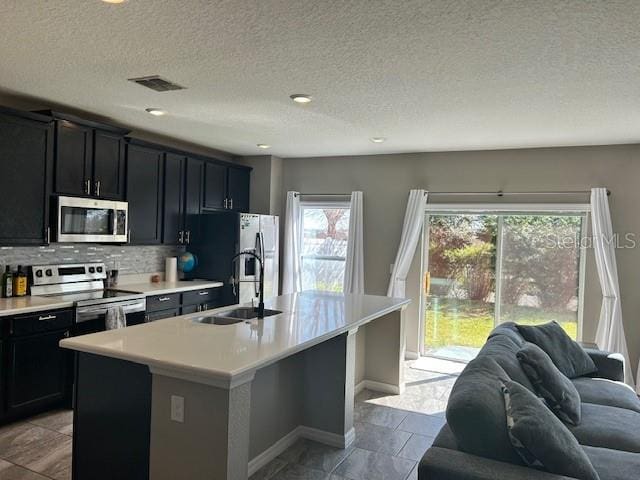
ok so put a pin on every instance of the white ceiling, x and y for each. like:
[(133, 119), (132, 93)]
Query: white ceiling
[(428, 75)]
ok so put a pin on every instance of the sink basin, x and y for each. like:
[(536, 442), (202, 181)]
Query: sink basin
[(247, 313), (236, 315)]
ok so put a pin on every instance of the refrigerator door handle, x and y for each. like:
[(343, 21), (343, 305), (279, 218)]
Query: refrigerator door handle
[(260, 252)]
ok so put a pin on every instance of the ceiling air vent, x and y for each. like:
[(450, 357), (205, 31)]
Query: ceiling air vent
[(157, 83)]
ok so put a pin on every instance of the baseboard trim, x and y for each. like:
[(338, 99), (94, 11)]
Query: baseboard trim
[(378, 387), (409, 355), (301, 431)]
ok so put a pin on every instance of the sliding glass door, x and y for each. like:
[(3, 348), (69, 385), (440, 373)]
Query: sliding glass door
[(484, 268)]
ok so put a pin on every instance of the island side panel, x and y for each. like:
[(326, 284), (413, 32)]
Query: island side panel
[(112, 418), (213, 440), (329, 384), (384, 353)]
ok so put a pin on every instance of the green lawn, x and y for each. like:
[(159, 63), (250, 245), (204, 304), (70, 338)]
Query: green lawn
[(468, 323)]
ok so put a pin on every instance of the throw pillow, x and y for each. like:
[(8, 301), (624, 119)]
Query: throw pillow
[(540, 438), (567, 355), (557, 390)]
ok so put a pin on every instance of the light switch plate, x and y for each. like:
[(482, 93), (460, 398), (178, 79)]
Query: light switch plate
[(177, 408)]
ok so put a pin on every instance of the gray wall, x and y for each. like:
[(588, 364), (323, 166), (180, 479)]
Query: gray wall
[(266, 184), (387, 179), (130, 259)]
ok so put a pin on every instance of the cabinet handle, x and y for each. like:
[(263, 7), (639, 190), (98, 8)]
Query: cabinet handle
[(164, 299), (46, 317), (231, 204), (188, 237), (48, 235), (66, 334), (181, 237), (87, 187), (98, 188), (226, 203), (203, 293)]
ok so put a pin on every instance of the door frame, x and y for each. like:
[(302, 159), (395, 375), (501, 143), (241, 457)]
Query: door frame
[(583, 209)]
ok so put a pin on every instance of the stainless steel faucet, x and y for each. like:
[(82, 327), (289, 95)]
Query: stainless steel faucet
[(260, 309)]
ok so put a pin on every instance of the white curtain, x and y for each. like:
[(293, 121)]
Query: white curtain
[(292, 278), (610, 334), (411, 230), (354, 266)]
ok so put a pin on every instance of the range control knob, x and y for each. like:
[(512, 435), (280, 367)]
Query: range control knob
[(92, 270), (99, 269), (39, 273), (49, 273)]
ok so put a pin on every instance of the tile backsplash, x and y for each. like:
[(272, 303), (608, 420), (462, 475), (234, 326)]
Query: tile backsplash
[(130, 259)]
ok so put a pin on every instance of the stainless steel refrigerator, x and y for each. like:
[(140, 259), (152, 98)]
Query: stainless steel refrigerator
[(219, 236)]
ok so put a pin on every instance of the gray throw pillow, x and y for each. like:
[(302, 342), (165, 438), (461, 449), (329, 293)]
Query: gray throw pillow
[(557, 390), (567, 355), (540, 438)]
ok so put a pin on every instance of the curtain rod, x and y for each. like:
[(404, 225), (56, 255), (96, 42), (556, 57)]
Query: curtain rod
[(323, 194), (500, 193)]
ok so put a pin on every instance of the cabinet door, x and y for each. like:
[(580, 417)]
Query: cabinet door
[(153, 316), (174, 188), (25, 173), (38, 370), (108, 165), (73, 159), (144, 194), (193, 197), (238, 189), (215, 186)]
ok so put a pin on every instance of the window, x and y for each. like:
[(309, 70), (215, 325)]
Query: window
[(325, 230), (484, 267)]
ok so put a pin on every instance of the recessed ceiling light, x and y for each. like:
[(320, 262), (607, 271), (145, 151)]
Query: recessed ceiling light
[(158, 112), (114, 1), (378, 139), (264, 146), (300, 98)]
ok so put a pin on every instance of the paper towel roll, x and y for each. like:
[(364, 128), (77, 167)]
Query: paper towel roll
[(171, 269)]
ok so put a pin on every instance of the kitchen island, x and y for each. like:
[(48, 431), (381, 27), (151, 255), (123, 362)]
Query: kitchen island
[(178, 398)]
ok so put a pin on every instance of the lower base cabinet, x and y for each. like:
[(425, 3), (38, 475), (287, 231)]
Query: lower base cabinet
[(182, 304)]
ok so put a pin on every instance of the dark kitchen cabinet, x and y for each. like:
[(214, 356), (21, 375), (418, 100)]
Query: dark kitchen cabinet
[(226, 187), (145, 174), (238, 180), (193, 196), (74, 147), (108, 165), (174, 199), (89, 158), (215, 186), (26, 164)]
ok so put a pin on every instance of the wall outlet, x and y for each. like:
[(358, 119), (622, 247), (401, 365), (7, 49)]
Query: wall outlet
[(177, 408)]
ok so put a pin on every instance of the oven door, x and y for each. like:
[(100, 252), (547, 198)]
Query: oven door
[(91, 319), (91, 220)]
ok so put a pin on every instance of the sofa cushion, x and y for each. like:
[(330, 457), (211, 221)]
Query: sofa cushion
[(540, 438), (503, 350), (549, 383), (446, 439), (567, 355), (475, 412), (508, 329), (614, 464), (608, 427), (607, 392)]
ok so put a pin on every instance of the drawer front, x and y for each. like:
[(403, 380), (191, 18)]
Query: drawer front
[(188, 309), (163, 302), (207, 295), (159, 315), (38, 322)]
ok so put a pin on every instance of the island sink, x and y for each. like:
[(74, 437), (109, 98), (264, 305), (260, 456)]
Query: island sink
[(234, 316)]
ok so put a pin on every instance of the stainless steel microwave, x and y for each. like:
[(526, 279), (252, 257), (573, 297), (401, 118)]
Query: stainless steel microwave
[(91, 220)]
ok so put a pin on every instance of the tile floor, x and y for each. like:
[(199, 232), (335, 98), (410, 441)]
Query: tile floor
[(392, 433)]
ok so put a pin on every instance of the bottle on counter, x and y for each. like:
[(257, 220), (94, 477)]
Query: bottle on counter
[(7, 283), (19, 283)]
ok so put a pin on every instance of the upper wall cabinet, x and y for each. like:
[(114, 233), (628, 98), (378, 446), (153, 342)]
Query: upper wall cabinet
[(89, 158), (145, 193), (26, 153), (226, 187)]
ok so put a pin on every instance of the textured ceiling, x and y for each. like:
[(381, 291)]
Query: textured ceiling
[(428, 75)]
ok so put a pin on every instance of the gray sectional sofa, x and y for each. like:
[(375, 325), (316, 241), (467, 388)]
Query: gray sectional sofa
[(609, 431)]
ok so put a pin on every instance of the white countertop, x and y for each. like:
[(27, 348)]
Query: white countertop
[(224, 352), (163, 288), (28, 304)]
